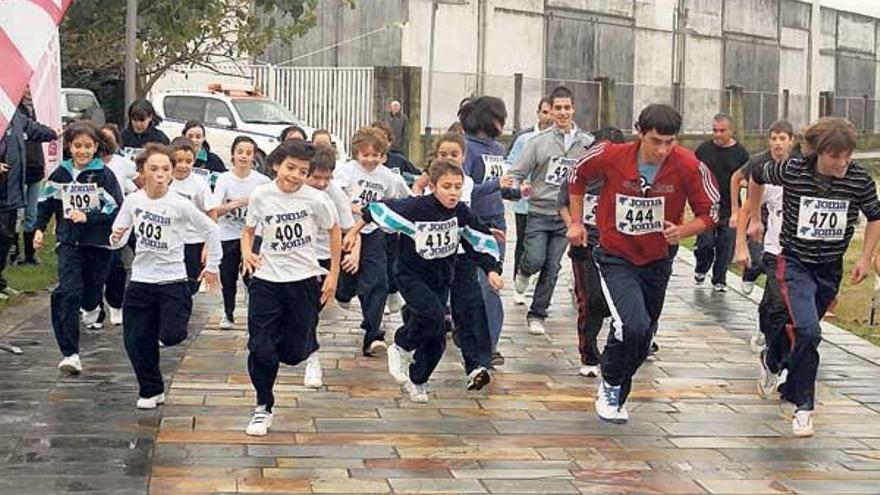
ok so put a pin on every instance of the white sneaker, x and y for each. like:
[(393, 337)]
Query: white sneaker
[(536, 326), (519, 299), (719, 288), (71, 364), (150, 402), (608, 406), (478, 378), (314, 376), (90, 318), (521, 283), (802, 424), (588, 371), (395, 302), (767, 380), (398, 363), (225, 323), (260, 422), (115, 316), (378, 347), (699, 278), (417, 393), (757, 340), (747, 287)]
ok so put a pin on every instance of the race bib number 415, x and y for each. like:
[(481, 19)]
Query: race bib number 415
[(822, 219), (639, 215), (558, 170), (436, 240), (80, 197)]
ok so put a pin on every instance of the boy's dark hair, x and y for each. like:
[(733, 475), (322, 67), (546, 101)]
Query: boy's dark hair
[(292, 128), (545, 100), (117, 135), (181, 143), (832, 135), (150, 150), (439, 168), (662, 118), (609, 133), (369, 136), (385, 128), (560, 92), (243, 139), (142, 109), (781, 126), (85, 128), (292, 148), (451, 137), (479, 115), (324, 159)]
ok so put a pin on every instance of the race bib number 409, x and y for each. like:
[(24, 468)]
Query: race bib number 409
[(639, 215), (436, 239), (822, 219), (80, 197), (558, 170)]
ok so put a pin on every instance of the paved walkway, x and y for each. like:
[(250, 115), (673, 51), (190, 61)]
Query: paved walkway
[(697, 425)]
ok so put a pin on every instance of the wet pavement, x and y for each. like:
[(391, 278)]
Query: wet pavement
[(697, 424)]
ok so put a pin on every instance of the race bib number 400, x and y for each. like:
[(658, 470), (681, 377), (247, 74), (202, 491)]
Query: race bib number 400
[(822, 219), (80, 197), (436, 239), (639, 215), (558, 170), (591, 205), (494, 167)]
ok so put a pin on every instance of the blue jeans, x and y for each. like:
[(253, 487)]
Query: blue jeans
[(32, 195), (544, 245), (492, 300)]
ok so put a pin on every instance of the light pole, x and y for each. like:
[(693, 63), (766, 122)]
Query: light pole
[(130, 52), (428, 138)]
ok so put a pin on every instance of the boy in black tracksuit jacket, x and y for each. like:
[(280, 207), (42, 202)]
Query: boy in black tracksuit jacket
[(83, 254), (430, 228)]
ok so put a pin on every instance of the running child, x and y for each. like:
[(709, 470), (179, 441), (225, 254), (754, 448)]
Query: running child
[(207, 165)]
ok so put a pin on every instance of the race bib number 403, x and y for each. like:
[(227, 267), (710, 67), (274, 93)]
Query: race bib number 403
[(436, 239), (639, 215), (822, 219), (80, 197), (591, 205), (153, 232), (558, 170)]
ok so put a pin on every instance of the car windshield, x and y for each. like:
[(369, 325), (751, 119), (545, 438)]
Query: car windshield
[(258, 111), (80, 102)]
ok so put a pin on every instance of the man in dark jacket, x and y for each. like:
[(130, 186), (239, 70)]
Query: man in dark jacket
[(399, 123), (13, 160)]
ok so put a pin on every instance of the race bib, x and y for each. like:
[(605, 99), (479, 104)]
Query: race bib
[(591, 205), (365, 193), (202, 172), (493, 167), (639, 215), (131, 153), (153, 232), (822, 219), (558, 170), (436, 239), (286, 236), (237, 215), (79, 197)]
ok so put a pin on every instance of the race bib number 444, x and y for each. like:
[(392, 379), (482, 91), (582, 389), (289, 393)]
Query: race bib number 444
[(558, 170), (81, 197), (436, 240), (639, 215), (822, 219)]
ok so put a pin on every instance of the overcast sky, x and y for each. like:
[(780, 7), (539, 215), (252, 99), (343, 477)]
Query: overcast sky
[(868, 7)]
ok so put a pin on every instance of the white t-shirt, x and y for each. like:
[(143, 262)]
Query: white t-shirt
[(289, 225), (364, 187), (159, 226), (343, 212), (773, 200), (229, 187), (125, 172), (195, 190)]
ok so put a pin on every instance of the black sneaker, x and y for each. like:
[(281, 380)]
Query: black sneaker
[(497, 359), (478, 378), (652, 352)]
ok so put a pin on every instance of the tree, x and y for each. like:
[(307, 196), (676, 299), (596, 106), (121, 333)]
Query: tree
[(176, 33)]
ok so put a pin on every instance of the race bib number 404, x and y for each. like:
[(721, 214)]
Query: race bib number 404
[(436, 240), (558, 170), (822, 219), (364, 193), (80, 197), (639, 215)]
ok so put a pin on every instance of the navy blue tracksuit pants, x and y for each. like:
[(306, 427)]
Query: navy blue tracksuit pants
[(773, 318), (150, 313), (424, 324), (469, 315), (808, 289), (192, 259), (715, 250), (370, 284), (591, 306), (82, 272), (635, 297)]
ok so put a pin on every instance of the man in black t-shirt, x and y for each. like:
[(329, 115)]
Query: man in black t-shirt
[(723, 155)]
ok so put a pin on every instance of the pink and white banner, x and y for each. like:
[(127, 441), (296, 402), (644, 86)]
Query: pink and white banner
[(27, 27), (46, 92)]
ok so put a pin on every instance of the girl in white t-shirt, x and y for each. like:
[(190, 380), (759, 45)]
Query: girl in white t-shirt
[(231, 197)]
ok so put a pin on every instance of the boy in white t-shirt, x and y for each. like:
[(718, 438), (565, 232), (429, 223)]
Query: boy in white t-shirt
[(158, 302), (366, 181), (196, 190), (288, 285), (231, 197)]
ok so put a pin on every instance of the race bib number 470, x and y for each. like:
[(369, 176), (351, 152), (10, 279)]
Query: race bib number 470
[(558, 170), (80, 197), (639, 215), (436, 240), (822, 219)]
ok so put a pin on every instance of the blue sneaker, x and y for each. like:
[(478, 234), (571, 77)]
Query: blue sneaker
[(608, 406)]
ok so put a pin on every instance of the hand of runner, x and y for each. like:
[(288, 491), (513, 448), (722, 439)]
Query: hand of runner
[(349, 242), (4, 167), (733, 219), (38, 240), (495, 281), (742, 257), (115, 237), (211, 281), (671, 232), (577, 235), (251, 263), (77, 216), (351, 262), (506, 181), (421, 183), (861, 270), (328, 289), (755, 231), (525, 189)]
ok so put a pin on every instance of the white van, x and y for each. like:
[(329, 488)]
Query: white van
[(227, 112)]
